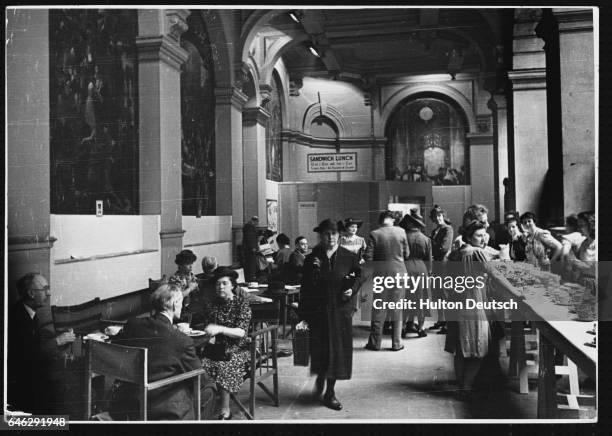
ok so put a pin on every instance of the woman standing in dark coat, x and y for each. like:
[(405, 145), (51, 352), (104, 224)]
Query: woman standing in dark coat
[(330, 281), (441, 244)]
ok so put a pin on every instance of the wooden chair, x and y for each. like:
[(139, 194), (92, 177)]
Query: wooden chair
[(129, 364), (82, 318), (262, 365)]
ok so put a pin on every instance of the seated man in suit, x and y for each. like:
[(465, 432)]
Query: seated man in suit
[(170, 353), (35, 362)]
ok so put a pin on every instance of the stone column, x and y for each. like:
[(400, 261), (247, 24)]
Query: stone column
[(254, 121), (528, 79), (576, 55), (159, 90), (229, 102), (27, 130), (498, 107), (482, 176)]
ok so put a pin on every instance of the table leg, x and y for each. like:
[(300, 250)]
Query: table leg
[(547, 395), (285, 304)]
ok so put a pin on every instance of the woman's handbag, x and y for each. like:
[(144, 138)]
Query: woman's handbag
[(301, 347), (216, 352)]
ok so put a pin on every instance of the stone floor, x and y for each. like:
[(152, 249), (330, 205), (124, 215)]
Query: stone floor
[(415, 383)]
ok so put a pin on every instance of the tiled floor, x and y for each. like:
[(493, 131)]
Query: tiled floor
[(415, 383)]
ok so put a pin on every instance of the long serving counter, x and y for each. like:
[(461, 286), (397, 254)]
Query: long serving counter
[(559, 327)]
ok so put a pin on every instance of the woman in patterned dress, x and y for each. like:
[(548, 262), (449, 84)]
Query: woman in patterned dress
[(538, 242), (586, 256), (227, 317), (187, 281)]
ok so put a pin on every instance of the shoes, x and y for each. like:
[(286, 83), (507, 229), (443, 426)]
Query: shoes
[(370, 347), (332, 402), (436, 326), (422, 333), (442, 331), (411, 328), (223, 417), (398, 349), (317, 392)]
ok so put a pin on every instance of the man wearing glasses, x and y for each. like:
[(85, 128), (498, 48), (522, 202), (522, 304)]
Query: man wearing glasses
[(32, 357)]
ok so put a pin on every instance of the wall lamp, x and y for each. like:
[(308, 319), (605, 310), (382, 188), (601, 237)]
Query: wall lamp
[(294, 17), (313, 51)]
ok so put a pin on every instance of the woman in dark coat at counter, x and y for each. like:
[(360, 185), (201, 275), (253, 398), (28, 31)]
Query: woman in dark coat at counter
[(330, 281), (441, 244)]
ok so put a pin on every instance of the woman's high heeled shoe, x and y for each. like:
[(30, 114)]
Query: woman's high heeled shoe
[(223, 417)]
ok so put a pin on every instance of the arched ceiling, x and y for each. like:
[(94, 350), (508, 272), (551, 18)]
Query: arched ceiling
[(358, 43)]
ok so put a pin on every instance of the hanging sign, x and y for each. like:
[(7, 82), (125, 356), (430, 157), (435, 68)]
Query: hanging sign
[(321, 162)]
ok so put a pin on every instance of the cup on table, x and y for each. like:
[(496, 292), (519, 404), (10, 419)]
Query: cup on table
[(183, 327)]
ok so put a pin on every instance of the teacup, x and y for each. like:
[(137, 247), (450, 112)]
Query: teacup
[(183, 327)]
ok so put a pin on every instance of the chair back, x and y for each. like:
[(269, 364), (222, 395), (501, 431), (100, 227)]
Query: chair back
[(82, 318), (154, 284), (121, 362)]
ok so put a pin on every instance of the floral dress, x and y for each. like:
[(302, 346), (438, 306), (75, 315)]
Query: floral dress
[(232, 314)]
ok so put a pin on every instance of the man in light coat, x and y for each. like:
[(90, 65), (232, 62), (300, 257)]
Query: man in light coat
[(388, 247)]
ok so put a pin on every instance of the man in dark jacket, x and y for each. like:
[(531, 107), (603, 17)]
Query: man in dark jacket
[(35, 362), (170, 353), (249, 248)]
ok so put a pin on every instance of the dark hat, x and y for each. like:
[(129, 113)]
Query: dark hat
[(350, 221), (185, 257), (384, 215), (416, 218), (225, 272), (326, 225)]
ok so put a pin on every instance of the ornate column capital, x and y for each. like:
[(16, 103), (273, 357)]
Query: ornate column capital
[(256, 114), (176, 22), (230, 95), (295, 84), (265, 91), (161, 48)]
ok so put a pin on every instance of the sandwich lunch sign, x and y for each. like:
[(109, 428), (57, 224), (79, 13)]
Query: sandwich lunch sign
[(321, 162)]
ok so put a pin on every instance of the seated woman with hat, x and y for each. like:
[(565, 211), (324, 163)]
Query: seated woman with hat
[(227, 319)]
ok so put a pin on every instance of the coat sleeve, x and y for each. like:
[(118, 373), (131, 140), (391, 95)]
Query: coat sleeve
[(189, 358), (405, 248), (309, 300), (370, 246), (446, 240)]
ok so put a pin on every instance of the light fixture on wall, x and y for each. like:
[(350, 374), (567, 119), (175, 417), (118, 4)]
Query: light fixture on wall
[(314, 51), (294, 17)]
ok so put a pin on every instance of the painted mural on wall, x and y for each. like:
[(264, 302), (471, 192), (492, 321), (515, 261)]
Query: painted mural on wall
[(197, 121), (93, 110), (274, 151), (427, 143), (272, 213)]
